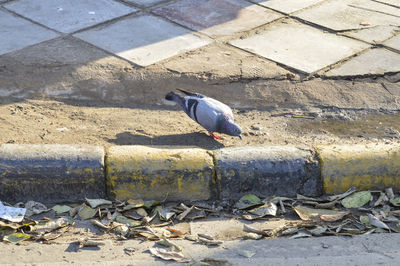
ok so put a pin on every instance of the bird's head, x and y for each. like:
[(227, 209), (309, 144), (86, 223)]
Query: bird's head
[(234, 130)]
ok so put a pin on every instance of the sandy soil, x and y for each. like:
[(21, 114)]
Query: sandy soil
[(45, 121)]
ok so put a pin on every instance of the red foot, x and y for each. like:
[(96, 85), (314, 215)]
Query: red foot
[(215, 137)]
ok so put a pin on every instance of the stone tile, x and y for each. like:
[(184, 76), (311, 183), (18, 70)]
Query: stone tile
[(373, 35), (350, 14), (144, 2), (287, 6), (390, 2), (69, 15), (151, 40), (374, 61), (217, 17), (393, 42), (299, 46), (17, 33)]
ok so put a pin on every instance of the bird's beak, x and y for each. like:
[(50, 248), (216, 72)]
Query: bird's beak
[(240, 137)]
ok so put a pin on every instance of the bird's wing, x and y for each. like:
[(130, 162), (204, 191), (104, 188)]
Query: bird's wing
[(210, 113)]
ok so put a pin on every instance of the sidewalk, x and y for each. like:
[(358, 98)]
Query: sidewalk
[(249, 54), (52, 48)]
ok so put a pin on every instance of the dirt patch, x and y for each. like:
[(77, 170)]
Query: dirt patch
[(44, 121)]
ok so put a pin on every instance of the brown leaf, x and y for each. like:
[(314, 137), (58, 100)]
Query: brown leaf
[(308, 214), (168, 254)]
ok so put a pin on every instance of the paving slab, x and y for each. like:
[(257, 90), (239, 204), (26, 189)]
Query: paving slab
[(351, 14), (145, 3), (152, 39), (393, 42), (300, 46), (69, 15), (395, 3), (287, 6), (372, 62), (217, 17), (224, 61), (373, 35), (17, 33)]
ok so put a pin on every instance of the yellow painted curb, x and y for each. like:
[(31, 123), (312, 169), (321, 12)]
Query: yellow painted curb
[(373, 166), (140, 172)]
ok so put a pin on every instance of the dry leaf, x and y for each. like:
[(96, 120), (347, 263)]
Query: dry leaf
[(168, 254)]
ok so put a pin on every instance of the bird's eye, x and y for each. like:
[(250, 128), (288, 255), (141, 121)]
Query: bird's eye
[(236, 130)]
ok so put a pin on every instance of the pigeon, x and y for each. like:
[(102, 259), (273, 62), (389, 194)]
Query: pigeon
[(211, 114)]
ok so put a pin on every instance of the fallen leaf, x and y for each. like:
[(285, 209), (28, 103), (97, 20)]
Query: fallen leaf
[(308, 214), (357, 199), (85, 212), (395, 201), (246, 253), (209, 242), (168, 254), (15, 238), (248, 201), (34, 207), (389, 193), (184, 213), (47, 226), (264, 210), (343, 195), (318, 231), (301, 234), (376, 222), (61, 209), (87, 242), (167, 243), (382, 199), (94, 203), (249, 229), (129, 222), (253, 236)]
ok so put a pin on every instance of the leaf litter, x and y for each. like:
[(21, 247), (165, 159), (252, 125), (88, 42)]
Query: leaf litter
[(350, 213)]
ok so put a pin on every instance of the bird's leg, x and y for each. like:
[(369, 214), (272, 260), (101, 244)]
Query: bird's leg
[(212, 135)]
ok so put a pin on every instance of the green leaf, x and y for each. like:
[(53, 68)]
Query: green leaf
[(16, 237), (357, 200), (395, 202), (61, 209), (248, 201)]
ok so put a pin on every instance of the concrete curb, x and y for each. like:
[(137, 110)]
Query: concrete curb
[(69, 173), (49, 173)]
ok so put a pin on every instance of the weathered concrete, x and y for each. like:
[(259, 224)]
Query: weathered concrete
[(266, 171), (288, 6), (145, 3), (373, 35), (363, 166), (217, 17), (69, 16), (139, 172), (394, 42), (17, 33), (150, 40), (351, 14), (51, 173), (299, 46), (374, 61)]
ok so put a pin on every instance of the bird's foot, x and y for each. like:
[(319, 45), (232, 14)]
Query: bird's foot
[(213, 136)]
